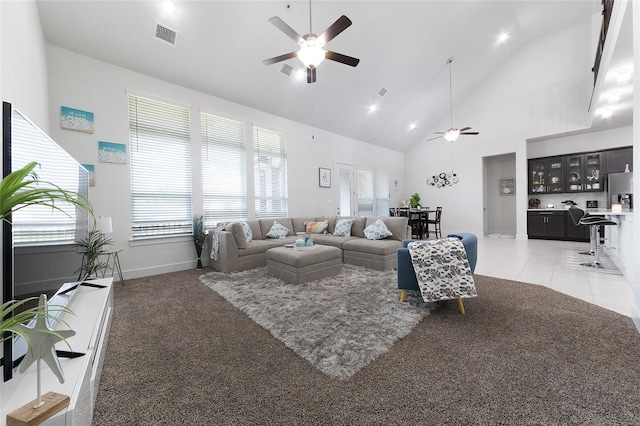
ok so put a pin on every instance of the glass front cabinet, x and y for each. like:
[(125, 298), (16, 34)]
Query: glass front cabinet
[(584, 173), (547, 175)]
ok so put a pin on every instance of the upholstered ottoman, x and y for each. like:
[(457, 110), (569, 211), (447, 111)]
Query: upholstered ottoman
[(301, 266)]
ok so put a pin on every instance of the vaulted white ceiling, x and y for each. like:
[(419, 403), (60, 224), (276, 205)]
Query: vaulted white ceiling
[(403, 47)]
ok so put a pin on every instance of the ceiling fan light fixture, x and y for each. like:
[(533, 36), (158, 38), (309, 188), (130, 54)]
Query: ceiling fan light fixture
[(451, 135), (311, 53)]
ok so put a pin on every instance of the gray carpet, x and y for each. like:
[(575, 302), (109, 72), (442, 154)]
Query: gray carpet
[(179, 353), (339, 324)]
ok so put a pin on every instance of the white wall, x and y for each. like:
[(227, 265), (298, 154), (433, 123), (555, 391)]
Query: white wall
[(593, 141), (81, 82), (23, 61), (543, 89)]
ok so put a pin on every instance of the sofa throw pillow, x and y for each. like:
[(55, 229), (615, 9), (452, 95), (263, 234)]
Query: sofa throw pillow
[(343, 228), (238, 235), (277, 231), (377, 230), (247, 231), (316, 227)]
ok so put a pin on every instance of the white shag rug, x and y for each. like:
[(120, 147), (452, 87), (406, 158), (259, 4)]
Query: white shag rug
[(338, 324)]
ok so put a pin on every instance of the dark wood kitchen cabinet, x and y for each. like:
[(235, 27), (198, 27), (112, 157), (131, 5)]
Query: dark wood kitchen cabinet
[(584, 172), (576, 233), (547, 224), (617, 159), (547, 175)]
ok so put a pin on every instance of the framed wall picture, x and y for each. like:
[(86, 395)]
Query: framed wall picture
[(109, 152), (507, 187), (325, 177), (75, 119)]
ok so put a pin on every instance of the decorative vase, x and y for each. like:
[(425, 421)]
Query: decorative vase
[(199, 252), (308, 241), (300, 242)]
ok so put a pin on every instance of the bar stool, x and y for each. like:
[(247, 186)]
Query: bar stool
[(580, 217)]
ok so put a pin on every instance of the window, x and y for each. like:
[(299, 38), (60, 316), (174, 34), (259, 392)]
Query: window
[(270, 173), (373, 193), (365, 192), (382, 194), (160, 146), (224, 169)]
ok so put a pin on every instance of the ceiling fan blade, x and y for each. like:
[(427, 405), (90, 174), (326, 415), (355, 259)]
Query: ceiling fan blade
[(282, 26), (465, 128), (341, 24), (343, 59), (280, 58), (437, 137), (311, 75), (439, 133), (469, 133)]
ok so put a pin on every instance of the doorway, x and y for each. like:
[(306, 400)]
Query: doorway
[(344, 196), (500, 196)]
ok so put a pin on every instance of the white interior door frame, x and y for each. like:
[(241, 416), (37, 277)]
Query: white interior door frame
[(344, 189)]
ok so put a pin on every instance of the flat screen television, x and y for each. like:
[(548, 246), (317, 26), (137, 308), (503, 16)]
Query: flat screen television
[(22, 142)]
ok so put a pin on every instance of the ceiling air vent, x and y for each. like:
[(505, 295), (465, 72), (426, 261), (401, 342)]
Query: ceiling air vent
[(382, 92), (287, 70), (166, 34)]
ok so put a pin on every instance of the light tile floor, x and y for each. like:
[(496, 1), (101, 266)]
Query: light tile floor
[(541, 262)]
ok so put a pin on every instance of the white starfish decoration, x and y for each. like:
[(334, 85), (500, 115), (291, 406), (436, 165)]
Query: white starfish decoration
[(42, 341)]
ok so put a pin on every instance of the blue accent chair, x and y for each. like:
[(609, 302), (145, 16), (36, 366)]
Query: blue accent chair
[(407, 277)]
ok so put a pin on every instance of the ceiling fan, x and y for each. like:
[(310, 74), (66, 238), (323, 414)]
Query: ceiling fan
[(452, 134), (311, 51)]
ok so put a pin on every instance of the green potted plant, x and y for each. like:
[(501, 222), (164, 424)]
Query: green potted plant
[(198, 237), (19, 189), (94, 244), (414, 201)]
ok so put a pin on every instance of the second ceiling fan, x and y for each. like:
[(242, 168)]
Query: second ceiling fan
[(312, 51), (452, 134)]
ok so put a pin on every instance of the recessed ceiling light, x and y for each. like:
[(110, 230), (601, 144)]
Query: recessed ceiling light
[(373, 108), (623, 77), (412, 126), (614, 98), (168, 6), (504, 36), (606, 114)]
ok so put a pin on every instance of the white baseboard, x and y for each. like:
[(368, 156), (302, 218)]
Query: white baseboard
[(635, 315)]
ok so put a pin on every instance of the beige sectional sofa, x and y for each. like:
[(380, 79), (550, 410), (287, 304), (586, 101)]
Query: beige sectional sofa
[(236, 254)]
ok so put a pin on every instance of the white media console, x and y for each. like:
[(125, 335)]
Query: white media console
[(92, 309)]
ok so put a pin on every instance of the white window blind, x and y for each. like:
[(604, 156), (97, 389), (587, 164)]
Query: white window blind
[(270, 173), (382, 194), (365, 192), (224, 169), (160, 146), (39, 224)]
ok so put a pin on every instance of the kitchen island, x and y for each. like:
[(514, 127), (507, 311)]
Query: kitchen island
[(619, 240)]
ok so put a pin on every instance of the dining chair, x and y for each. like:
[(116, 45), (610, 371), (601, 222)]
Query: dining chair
[(436, 223), (416, 224), (402, 211)]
